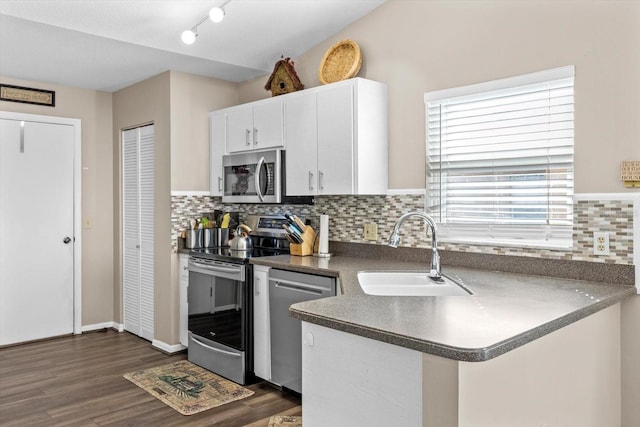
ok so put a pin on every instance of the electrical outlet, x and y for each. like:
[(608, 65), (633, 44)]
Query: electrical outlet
[(600, 243), (371, 231)]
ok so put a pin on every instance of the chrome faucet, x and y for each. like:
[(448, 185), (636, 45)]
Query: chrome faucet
[(394, 240)]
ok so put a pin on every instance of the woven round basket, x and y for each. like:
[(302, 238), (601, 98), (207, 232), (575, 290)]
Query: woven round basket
[(342, 61)]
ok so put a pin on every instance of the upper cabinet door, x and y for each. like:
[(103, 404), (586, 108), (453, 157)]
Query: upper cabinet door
[(268, 126), (255, 126), (217, 135), (336, 140), (240, 129), (301, 137)]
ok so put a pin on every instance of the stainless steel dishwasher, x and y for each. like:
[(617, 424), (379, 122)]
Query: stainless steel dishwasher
[(286, 288)]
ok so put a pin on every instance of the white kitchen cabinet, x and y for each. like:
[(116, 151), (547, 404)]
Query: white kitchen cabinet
[(383, 378), (551, 381), (217, 149), (261, 335), (336, 138), (255, 126), (301, 135), (183, 274)]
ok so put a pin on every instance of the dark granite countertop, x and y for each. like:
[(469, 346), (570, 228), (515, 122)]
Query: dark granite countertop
[(506, 310)]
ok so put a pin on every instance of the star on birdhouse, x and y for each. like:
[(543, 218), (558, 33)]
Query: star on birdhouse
[(284, 78)]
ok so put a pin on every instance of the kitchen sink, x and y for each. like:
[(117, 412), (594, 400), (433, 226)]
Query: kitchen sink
[(408, 283)]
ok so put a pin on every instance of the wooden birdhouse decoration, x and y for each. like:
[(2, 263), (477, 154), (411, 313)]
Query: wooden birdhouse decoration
[(284, 78)]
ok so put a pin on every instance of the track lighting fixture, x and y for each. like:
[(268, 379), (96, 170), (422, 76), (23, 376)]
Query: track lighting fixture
[(216, 14)]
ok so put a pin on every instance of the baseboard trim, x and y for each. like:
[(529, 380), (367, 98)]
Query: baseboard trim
[(167, 348), (97, 326), (160, 345)]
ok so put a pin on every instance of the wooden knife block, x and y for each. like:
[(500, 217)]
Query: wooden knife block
[(306, 247)]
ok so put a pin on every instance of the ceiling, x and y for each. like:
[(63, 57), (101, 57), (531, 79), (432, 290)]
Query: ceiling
[(107, 45)]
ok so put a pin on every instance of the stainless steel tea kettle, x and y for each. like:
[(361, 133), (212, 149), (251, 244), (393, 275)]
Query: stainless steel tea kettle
[(241, 241)]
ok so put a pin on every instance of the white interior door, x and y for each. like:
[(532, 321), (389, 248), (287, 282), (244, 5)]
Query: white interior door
[(37, 230)]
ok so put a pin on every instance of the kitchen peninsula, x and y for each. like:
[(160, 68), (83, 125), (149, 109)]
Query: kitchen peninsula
[(522, 350)]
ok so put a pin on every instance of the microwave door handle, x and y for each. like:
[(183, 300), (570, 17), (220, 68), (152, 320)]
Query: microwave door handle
[(257, 178)]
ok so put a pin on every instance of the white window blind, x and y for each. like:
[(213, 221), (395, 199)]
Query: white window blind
[(500, 160)]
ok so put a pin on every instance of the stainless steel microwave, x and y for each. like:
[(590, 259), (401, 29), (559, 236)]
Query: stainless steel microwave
[(254, 177)]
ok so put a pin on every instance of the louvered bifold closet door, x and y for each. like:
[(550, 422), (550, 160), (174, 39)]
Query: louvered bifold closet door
[(146, 232), (137, 210), (130, 231)]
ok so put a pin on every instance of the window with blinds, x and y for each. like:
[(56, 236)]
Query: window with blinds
[(500, 160)]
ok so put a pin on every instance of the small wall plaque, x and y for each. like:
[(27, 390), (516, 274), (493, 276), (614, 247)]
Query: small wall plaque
[(630, 173), (27, 95)]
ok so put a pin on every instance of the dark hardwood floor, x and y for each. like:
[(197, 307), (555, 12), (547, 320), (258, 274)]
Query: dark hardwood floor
[(77, 381)]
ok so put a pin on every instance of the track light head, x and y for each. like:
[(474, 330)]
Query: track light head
[(189, 36), (216, 14)]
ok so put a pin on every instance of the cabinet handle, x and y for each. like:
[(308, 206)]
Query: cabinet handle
[(220, 183), (247, 136), (320, 176), (256, 291), (255, 136), (310, 181)]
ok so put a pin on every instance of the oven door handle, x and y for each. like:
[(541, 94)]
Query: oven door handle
[(228, 353), (257, 177), (236, 274), (209, 267)]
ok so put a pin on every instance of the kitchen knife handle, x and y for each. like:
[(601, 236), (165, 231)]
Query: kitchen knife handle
[(299, 223)]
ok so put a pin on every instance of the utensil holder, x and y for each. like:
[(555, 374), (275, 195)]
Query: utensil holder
[(209, 237), (194, 239), (222, 237), (306, 247)]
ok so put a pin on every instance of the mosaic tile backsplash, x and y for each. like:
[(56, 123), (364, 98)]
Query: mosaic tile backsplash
[(348, 214)]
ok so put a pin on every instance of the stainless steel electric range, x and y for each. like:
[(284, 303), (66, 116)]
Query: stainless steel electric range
[(220, 300)]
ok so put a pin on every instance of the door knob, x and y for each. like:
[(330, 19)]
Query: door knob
[(66, 240)]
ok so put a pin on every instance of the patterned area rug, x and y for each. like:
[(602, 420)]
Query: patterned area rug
[(285, 421), (187, 388)]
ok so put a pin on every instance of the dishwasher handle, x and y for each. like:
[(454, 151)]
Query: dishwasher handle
[(300, 287)]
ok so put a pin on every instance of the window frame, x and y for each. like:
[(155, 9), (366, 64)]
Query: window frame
[(543, 236)]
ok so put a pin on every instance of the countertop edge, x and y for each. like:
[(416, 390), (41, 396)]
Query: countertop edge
[(293, 267), (456, 353)]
